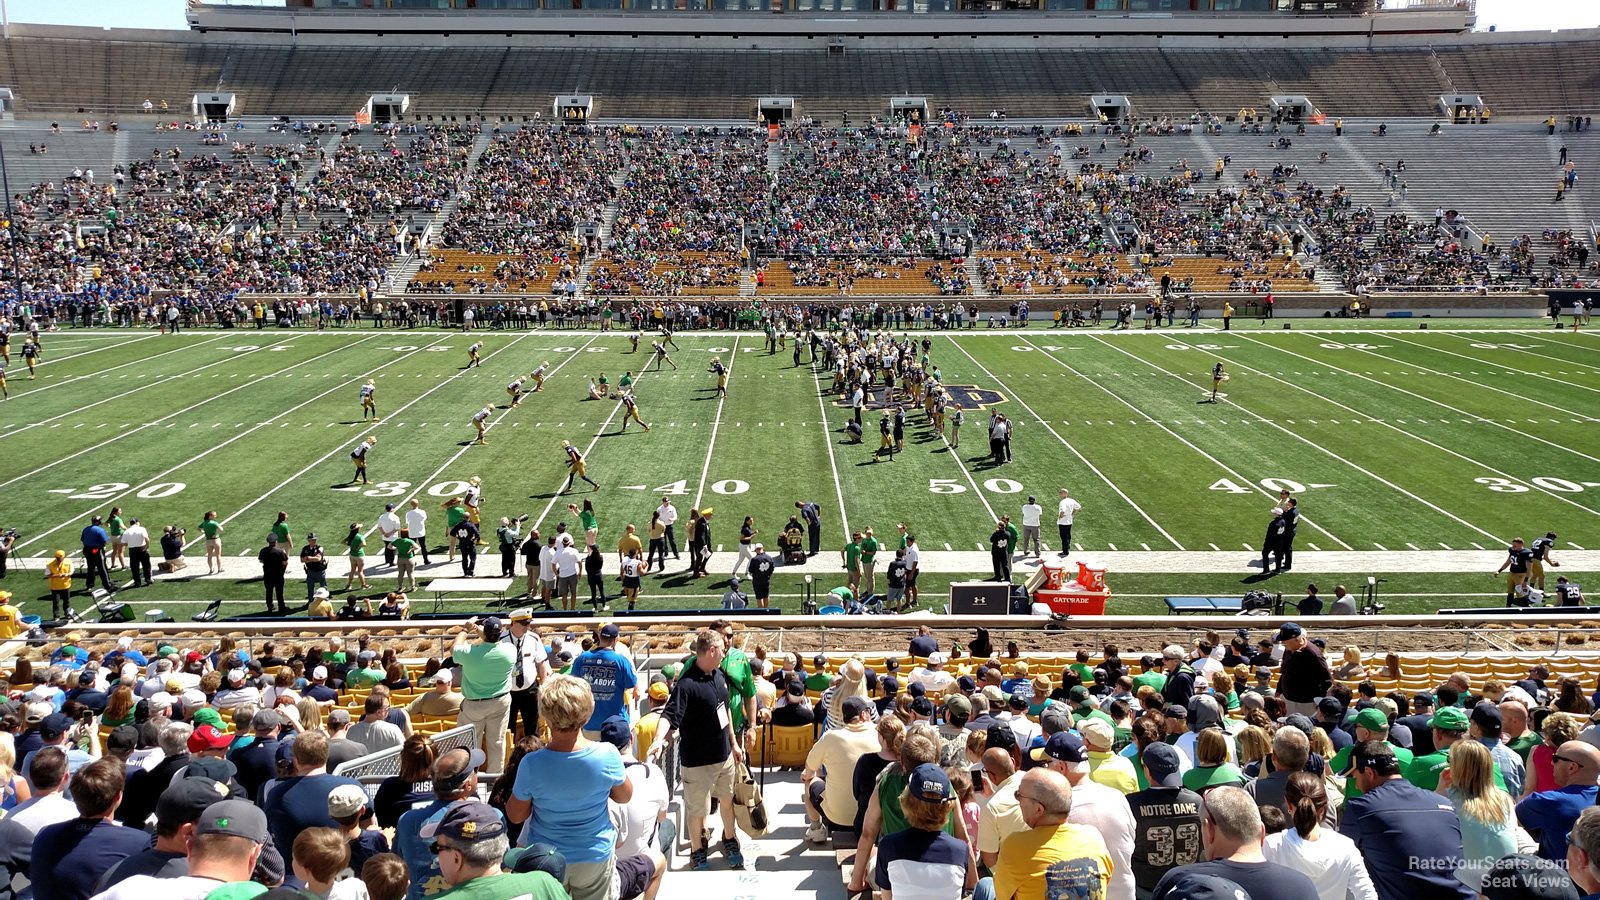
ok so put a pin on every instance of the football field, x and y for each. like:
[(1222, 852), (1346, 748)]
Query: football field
[(1457, 438)]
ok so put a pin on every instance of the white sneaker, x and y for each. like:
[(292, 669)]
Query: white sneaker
[(817, 833)]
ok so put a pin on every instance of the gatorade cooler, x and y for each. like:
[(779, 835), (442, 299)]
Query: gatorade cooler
[(1086, 595)]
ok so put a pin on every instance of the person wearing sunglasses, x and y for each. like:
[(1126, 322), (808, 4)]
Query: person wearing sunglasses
[(470, 843), (1549, 814)]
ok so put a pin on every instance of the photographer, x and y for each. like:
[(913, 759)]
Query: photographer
[(510, 540), (172, 545), (7, 538)]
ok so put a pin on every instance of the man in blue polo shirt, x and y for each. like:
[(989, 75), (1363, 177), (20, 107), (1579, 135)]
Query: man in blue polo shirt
[(1410, 838), (1549, 814), (611, 679)]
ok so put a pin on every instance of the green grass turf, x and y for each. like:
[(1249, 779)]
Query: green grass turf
[(1408, 433)]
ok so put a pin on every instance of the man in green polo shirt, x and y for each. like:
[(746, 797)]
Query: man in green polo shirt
[(851, 554), (1449, 724), (1371, 725), (485, 686), (1083, 706), (869, 555)]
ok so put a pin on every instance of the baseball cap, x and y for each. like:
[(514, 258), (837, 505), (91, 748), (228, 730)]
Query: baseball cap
[(491, 628), (54, 726), (610, 630), (187, 799), (1175, 711), (1486, 715), (1164, 765), (36, 711), (1300, 721), (854, 706), (444, 676), (889, 685), (207, 737), (1054, 718), (338, 716), (366, 655), (265, 720), (1373, 719), (915, 688), (922, 706), (238, 818), (615, 731), (1064, 746), (213, 767), (320, 673), (193, 656), (536, 857), (123, 737), (471, 820), (966, 684), (272, 539), (1288, 631), (85, 678), (928, 782), (958, 706), (1097, 733), (995, 696), (1330, 707), (475, 760), (1523, 877), (936, 658), (659, 691), (1078, 694), (1017, 703), (346, 800), (1199, 886), (1450, 718)]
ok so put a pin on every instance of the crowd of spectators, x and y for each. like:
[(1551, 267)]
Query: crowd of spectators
[(1229, 768), (531, 188)]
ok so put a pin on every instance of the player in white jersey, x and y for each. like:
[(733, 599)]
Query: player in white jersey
[(472, 355), (481, 422), (369, 399), (538, 376), (473, 498), (359, 457), (515, 390)]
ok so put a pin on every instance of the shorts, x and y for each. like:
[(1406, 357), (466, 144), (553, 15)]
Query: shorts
[(213, 543), (630, 583), (633, 876), (896, 593), (762, 589), (701, 783), (548, 584), (566, 584), (911, 578)]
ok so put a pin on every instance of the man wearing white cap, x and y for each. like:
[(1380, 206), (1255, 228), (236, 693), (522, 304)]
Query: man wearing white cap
[(933, 677), (530, 665), (442, 700), (237, 692)]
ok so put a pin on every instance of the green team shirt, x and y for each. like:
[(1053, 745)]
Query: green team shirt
[(404, 548), (1012, 536), (1524, 745), (625, 382), (454, 516), (358, 544), (365, 677), (115, 526), (1341, 765), (211, 528), (282, 531), (1424, 770), (521, 885), (588, 521), (1085, 672), (869, 549), (1155, 678), (852, 554), (904, 540), (741, 681)]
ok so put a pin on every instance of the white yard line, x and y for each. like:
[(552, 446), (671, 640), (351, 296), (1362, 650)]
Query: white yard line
[(1413, 435), (1538, 336), (111, 501), (344, 443), (148, 384), (1478, 360), (16, 347), (151, 424), (1310, 443), (1241, 479), (1562, 360), (716, 423), (1084, 459), (827, 440)]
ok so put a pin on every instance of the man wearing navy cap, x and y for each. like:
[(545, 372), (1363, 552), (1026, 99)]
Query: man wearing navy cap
[(921, 860), (485, 686), (1166, 818), (1409, 837), (471, 842), (1303, 675)]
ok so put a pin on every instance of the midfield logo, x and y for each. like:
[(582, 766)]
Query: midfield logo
[(965, 396)]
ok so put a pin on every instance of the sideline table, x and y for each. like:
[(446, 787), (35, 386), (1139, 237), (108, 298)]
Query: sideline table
[(496, 587), (1180, 605)]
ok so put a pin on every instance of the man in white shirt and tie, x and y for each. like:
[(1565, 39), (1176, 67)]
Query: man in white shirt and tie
[(1065, 511), (530, 665)]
